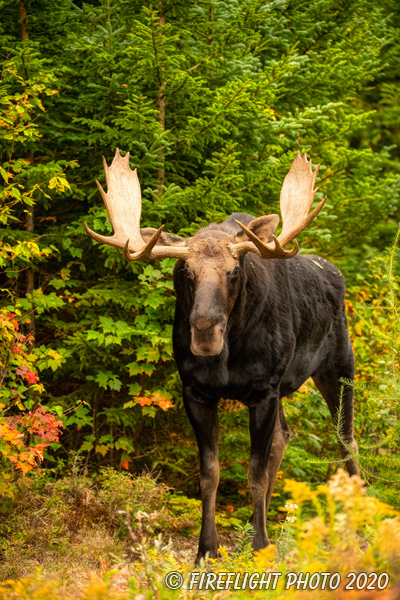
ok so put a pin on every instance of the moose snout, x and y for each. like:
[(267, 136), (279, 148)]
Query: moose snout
[(207, 334), (208, 319), (204, 321)]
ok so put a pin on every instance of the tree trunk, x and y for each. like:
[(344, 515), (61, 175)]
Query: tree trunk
[(29, 222), (23, 20), (30, 277), (161, 106)]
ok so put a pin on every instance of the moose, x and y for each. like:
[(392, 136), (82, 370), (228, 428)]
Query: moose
[(253, 321)]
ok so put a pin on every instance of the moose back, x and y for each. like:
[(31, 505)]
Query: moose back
[(253, 321)]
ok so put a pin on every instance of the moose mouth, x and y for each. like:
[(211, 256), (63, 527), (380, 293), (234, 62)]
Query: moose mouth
[(207, 343)]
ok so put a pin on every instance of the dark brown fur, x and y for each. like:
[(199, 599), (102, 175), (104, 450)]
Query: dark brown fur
[(254, 330)]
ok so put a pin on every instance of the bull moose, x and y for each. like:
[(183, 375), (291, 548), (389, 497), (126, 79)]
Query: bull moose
[(249, 325)]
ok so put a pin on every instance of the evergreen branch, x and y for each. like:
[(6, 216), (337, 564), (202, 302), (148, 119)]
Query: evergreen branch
[(221, 112)]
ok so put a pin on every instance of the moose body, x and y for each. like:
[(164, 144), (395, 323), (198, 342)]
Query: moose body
[(247, 328)]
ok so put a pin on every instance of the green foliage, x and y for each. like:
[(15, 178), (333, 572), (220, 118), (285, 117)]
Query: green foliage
[(26, 427), (213, 100), (244, 538), (379, 456)]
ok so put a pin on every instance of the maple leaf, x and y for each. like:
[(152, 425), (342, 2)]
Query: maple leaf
[(25, 467), (21, 371), (31, 377), (37, 451), (143, 401), (101, 448), (162, 402)]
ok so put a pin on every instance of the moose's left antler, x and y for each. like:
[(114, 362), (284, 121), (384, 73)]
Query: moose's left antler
[(297, 197)]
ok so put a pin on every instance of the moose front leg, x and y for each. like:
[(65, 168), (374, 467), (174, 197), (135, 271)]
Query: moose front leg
[(263, 407), (203, 415)]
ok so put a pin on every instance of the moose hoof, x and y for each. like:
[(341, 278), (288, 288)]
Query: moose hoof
[(260, 542), (202, 557)]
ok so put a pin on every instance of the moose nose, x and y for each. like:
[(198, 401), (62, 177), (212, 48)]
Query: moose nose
[(204, 321)]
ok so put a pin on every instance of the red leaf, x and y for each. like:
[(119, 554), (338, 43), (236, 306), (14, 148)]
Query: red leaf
[(143, 401), (31, 377)]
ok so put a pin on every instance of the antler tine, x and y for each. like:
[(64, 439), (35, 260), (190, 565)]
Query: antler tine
[(261, 247), (272, 249), (123, 201), (150, 252), (264, 250), (145, 252)]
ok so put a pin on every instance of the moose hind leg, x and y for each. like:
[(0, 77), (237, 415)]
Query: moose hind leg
[(281, 438), (339, 398)]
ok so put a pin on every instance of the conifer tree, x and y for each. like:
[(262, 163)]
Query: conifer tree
[(213, 99)]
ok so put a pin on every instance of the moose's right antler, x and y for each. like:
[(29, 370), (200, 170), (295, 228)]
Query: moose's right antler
[(123, 202)]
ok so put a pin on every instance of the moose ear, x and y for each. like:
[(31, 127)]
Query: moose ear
[(263, 227), (165, 239)]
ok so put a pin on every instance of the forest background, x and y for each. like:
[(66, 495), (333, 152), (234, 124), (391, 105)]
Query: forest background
[(213, 99)]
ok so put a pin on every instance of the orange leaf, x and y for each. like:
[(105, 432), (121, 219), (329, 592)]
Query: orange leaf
[(25, 467)]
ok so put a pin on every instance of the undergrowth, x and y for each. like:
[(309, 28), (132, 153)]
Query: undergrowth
[(118, 540), (79, 523), (379, 455), (115, 536)]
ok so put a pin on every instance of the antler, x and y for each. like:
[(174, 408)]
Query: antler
[(297, 197), (123, 202)]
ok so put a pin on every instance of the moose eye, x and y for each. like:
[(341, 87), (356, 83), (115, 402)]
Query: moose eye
[(189, 273), (233, 274)]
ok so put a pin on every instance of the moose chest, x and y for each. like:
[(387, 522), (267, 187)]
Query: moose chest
[(237, 371)]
